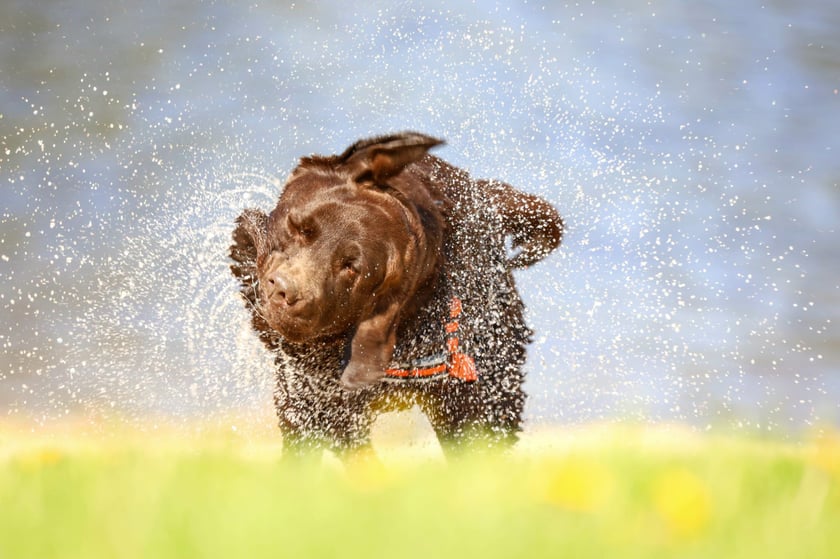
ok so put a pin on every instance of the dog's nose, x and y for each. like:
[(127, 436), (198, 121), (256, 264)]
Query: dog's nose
[(282, 288)]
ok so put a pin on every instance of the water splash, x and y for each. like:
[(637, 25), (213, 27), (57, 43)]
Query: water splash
[(691, 285)]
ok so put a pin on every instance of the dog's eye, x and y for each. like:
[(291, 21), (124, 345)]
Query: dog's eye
[(301, 228), (304, 232), (349, 265)]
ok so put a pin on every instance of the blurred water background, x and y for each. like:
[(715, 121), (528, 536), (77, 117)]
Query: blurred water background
[(692, 148)]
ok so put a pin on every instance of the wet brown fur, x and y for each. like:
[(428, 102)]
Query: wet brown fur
[(368, 247)]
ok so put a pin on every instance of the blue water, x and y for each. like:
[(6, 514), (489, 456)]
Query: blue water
[(691, 147)]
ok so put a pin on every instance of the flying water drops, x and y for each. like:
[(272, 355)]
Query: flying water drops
[(692, 284)]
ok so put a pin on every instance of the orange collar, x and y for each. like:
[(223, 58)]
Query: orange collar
[(453, 363)]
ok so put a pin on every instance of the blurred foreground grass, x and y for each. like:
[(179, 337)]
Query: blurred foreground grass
[(598, 491)]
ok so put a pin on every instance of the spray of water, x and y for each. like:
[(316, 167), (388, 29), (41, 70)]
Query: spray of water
[(681, 292)]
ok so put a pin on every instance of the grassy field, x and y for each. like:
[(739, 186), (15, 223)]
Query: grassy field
[(598, 491)]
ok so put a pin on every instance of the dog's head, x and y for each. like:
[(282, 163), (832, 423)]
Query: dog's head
[(346, 247)]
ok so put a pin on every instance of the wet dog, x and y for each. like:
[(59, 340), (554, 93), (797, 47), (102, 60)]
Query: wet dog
[(382, 280)]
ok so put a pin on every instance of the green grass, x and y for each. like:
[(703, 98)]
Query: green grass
[(605, 491)]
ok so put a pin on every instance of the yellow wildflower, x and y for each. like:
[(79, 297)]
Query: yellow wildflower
[(366, 473), (825, 453), (576, 484), (41, 457), (682, 500)]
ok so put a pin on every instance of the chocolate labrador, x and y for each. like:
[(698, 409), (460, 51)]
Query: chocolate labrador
[(382, 280)]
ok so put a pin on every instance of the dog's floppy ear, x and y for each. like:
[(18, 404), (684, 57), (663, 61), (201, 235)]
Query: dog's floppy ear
[(250, 244), (378, 159), (249, 241)]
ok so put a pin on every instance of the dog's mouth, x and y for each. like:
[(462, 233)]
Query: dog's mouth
[(293, 330), (291, 327), (299, 325)]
